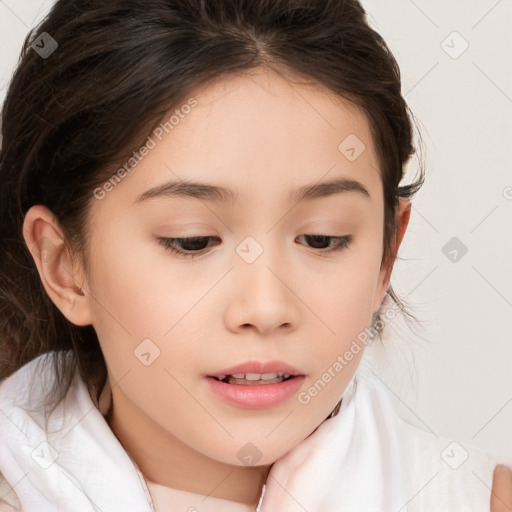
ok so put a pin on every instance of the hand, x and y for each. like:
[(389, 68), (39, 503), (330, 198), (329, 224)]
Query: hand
[(501, 494)]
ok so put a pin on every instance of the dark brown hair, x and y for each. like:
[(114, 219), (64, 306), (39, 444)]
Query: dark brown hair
[(120, 65)]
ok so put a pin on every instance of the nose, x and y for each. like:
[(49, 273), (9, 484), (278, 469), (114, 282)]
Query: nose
[(262, 298)]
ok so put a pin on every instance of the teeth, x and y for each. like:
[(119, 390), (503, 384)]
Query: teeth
[(254, 377), (257, 376)]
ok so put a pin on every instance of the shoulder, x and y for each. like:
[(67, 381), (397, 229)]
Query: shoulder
[(14, 390), (9, 502), (455, 474)]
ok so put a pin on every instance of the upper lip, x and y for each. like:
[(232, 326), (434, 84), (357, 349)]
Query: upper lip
[(259, 367)]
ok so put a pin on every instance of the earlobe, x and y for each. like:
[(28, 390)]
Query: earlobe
[(403, 215), (59, 273)]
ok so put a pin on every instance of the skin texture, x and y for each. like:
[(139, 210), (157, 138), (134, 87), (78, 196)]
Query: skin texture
[(260, 135)]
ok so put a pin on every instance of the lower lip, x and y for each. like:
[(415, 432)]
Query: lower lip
[(258, 396)]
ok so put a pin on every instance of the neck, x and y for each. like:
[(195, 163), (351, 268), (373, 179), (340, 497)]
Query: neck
[(167, 461)]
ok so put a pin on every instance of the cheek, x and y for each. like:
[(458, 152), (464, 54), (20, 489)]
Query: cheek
[(345, 314), (344, 306), (343, 292), (133, 289), (122, 300), (144, 304), (345, 309)]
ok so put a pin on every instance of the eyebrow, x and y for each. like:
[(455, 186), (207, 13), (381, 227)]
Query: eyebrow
[(214, 193)]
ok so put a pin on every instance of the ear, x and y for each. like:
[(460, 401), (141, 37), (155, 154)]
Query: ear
[(403, 214), (60, 274)]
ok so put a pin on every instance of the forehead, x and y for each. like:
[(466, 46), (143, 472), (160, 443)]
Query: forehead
[(260, 133)]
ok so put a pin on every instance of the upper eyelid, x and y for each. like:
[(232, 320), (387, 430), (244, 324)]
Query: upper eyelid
[(191, 237), (347, 239)]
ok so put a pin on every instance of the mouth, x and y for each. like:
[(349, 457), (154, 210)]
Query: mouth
[(256, 385), (254, 379), (255, 392)]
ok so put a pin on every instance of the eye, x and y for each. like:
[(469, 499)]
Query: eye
[(197, 245), (188, 247), (319, 241)]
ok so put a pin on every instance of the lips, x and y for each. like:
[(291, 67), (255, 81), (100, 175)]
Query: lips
[(256, 385)]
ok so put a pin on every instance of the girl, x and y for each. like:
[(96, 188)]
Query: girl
[(203, 201)]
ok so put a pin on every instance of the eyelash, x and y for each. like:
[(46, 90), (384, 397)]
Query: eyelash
[(342, 242)]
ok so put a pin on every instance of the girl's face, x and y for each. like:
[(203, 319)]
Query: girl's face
[(260, 288)]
